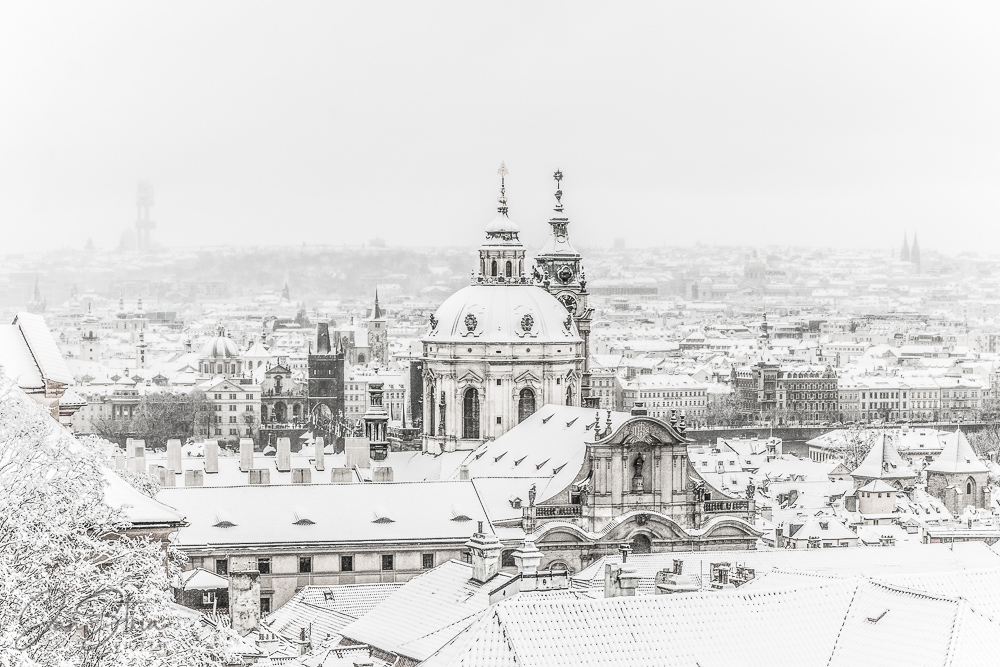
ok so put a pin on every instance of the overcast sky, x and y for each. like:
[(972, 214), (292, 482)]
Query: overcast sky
[(715, 122)]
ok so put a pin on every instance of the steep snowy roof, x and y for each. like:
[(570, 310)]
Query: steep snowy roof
[(883, 461), (957, 456), (43, 348)]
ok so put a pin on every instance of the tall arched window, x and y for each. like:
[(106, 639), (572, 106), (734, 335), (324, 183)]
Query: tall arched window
[(970, 489), (470, 414), (510, 269), (525, 404), (431, 411), (569, 394), (493, 268)]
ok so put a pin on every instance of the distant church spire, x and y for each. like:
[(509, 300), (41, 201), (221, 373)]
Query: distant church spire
[(915, 253), (377, 310), (904, 254)]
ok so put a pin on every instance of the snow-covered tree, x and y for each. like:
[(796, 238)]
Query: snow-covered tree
[(74, 588)]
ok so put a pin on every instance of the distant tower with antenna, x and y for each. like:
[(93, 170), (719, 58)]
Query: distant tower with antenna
[(143, 224)]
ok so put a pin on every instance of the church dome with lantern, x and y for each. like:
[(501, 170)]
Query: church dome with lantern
[(220, 356), (497, 350)]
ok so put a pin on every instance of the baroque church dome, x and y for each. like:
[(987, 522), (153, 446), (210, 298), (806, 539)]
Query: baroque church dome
[(497, 313), (220, 347)]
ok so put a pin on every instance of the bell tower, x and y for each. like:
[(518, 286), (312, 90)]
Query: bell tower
[(560, 268), (501, 257)]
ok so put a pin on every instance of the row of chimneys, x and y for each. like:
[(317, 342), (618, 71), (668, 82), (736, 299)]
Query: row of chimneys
[(357, 456)]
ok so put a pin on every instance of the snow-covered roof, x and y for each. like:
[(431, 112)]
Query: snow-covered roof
[(883, 461), (371, 512), (200, 579), (957, 456), (140, 509), (43, 348)]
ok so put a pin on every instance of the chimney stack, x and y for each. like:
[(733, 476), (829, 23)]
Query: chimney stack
[(485, 548), (383, 474), (174, 455), (244, 601), (357, 453), (194, 478), (246, 454), (527, 558), (211, 457), (463, 472), (341, 475), (620, 580), (320, 462), (284, 458), (301, 475)]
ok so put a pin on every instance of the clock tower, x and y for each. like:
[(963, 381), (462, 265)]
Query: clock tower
[(560, 268)]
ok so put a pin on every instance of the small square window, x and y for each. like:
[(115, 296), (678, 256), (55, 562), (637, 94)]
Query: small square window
[(499, 382), (427, 561), (208, 598), (388, 562), (499, 420), (264, 565), (222, 566), (347, 563), (265, 606), (305, 564)]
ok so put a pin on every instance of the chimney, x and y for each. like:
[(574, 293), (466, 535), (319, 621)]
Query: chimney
[(341, 476), (678, 566), (260, 476), (244, 601), (284, 458), (168, 477), (527, 558), (320, 461), (194, 478), (246, 454), (357, 452), (383, 474), (639, 409), (211, 457), (136, 451), (620, 580), (463, 472), (485, 548), (174, 455), (301, 475), (120, 462)]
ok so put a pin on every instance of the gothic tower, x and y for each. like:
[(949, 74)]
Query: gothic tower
[(915, 253), (378, 335), (560, 267), (904, 253)]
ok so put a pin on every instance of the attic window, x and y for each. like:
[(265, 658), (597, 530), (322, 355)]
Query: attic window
[(223, 521), (518, 462), (480, 455), (570, 423), (555, 471), (497, 458), (545, 421), (539, 466)]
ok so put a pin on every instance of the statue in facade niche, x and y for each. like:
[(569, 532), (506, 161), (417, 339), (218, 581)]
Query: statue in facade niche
[(639, 461)]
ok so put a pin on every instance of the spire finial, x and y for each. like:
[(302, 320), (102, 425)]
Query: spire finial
[(558, 176), (503, 192)]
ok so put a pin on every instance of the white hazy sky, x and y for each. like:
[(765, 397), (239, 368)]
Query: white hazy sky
[(721, 122)]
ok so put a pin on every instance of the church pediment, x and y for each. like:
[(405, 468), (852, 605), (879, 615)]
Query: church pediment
[(470, 377), (645, 430), (527, 377)]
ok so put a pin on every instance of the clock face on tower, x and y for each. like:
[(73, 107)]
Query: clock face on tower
[(565, 274), (569, 301)]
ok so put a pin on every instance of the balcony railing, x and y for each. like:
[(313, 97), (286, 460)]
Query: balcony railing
[(550, 511), (725, 506)]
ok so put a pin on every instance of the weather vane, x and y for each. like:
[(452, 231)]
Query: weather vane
[(558, 176)]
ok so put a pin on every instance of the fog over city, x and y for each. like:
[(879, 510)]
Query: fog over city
[(424, 334), (272, 124)]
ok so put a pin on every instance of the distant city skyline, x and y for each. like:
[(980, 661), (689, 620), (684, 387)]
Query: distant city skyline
[(679, 123)]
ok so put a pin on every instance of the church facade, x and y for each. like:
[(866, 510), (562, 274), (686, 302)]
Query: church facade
[(497, 350)]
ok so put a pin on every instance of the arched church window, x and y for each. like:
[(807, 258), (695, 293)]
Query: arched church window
[(361, 358), (493, 268), (470, 414), (520, 267), (569, 394), (510, 269), (641, 545), (525, 404), (970, 487)]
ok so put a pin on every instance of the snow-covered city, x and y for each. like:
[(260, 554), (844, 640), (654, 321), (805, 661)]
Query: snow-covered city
[(511, 429)]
